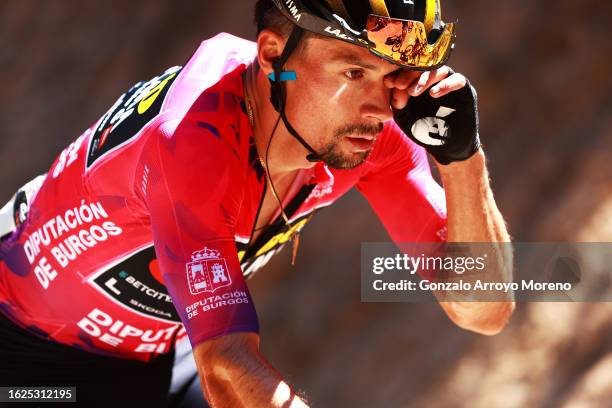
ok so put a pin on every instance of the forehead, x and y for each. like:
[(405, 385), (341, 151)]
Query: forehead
[(328, 50)]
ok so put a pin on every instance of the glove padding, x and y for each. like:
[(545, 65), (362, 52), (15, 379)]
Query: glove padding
[(447, 127)]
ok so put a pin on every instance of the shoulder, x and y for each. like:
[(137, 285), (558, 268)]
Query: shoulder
[(205, 114), (211, 64), (206, 149), (192, 144), (194, 168), (215, 54)]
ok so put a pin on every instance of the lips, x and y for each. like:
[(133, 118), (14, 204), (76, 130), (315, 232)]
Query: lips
[(362, 143)]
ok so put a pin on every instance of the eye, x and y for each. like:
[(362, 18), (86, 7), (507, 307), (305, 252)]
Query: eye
[(354, 74)]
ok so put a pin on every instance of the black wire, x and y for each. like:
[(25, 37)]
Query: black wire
[(280, 204)]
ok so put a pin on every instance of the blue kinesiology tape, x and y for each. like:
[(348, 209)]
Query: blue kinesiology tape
[(284, 76)]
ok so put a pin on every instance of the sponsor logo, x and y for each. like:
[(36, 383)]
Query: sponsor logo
[(433, 131), (207, 272), (262, 254), (275, 237), (130, 113), (346, 26), (338, 33), (67, 236), (321, 190), (215, 302), (137, 285), (291, 7), (117, 333), (69, 155)]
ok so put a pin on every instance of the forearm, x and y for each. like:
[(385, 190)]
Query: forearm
[(473, 216), (243, 378), (250, 382)]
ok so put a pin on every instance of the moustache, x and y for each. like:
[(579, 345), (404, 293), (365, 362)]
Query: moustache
[(361, 129)]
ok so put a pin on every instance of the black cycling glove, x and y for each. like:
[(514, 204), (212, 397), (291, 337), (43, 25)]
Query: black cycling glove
[(447, 127)]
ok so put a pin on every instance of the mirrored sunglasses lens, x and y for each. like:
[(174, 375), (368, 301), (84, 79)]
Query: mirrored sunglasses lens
[(405, 42)]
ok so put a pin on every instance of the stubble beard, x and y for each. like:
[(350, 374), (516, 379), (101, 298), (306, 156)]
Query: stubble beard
[(332, 154)]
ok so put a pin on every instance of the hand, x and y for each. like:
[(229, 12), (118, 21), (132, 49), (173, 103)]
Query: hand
[(405, 84), (437, 110)]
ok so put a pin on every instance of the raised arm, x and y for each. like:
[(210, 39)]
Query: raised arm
[(473, 216), (414, 208)]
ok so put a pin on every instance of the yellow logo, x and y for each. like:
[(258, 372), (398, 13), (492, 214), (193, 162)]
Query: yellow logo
[(149, 100), (281, 238)]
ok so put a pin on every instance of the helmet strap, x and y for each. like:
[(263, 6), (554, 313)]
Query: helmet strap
[(278, 91)]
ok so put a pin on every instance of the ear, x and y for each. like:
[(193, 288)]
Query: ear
[(270, 46)]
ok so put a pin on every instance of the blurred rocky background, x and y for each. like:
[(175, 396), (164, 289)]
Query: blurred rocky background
[(542, 70)]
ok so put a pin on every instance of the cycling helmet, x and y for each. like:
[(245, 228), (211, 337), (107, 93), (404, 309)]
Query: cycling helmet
[(409, 33)]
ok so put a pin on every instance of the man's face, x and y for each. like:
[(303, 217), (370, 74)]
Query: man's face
[(339, 102)]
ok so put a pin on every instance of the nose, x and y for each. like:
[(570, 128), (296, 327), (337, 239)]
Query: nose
[(378, 104)]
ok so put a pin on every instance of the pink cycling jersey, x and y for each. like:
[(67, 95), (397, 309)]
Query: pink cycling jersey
[(143, 225)]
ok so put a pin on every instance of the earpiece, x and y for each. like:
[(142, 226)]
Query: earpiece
[(276, 87)]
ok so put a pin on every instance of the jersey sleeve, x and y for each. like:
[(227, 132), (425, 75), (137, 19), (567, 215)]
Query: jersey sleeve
[(400, 188), (193, 194)]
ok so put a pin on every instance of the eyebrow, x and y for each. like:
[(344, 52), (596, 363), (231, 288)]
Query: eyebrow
[(353, 60)]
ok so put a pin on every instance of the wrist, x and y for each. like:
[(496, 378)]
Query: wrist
[(471, 168)]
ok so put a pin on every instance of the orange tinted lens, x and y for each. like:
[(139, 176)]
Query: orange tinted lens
[(405, 42)]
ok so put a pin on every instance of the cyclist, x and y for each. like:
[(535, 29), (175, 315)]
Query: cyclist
[(146, 226)]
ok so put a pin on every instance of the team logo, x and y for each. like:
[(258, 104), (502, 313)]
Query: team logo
[(207, 272), (433, 131), (337, 33), (136, 283), (129, 115)]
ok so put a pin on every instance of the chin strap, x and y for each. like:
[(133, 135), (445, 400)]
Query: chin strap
[(312, 157), (278, 91)]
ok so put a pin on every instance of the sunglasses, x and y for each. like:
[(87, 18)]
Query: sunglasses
[(405, 43), (401, 42)]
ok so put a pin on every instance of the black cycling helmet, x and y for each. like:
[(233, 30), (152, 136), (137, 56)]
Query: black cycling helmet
[(409, 33)]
